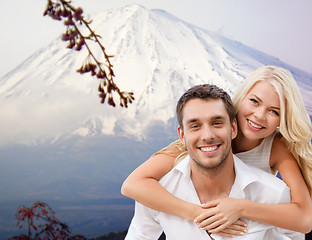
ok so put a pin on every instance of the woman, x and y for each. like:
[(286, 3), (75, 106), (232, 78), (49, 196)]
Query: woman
[(274, 135)]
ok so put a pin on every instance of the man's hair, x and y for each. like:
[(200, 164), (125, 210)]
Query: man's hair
[(205, 92)]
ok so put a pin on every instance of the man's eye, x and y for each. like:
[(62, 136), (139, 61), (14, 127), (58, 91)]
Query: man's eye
[(194, 126), (218, 123)]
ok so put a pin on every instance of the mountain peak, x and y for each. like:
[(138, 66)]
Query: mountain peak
[(156, 55)]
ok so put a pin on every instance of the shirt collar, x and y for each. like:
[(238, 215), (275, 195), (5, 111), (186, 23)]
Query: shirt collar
[(184, 167), (243, 175)]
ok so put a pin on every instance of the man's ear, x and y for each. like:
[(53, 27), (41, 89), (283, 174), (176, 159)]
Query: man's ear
[(181, 135), (234, 128)]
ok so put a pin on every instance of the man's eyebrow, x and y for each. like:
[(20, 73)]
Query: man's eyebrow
[(218, 117), (192, 120)]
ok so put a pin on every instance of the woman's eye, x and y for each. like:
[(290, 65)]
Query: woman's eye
[(275, 112), (254, 101)]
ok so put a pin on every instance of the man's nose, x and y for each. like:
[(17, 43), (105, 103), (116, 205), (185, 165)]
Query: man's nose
[(208, 133)]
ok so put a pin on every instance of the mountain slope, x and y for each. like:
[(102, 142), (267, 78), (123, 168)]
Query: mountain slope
[(157, 56)]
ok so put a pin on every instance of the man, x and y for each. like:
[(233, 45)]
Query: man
[(207, 126)]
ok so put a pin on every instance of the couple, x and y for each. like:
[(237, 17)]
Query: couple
[(207, 126)]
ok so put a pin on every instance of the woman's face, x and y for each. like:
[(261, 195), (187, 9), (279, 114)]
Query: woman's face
[(259, 113)]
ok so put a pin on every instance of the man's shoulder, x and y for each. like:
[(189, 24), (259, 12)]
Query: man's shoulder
[(179, 172), (264, 182), (267, 179)]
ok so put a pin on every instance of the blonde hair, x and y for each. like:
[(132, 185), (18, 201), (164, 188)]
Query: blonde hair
[(175, 149), (295, 124)]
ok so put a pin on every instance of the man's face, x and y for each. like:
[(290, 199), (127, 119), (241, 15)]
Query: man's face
[(207, 132)]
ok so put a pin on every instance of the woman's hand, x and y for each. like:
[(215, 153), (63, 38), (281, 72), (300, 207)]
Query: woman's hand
[(219, 215), (238, 228)]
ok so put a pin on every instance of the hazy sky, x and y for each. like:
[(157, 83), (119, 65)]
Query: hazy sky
[(281, 28)]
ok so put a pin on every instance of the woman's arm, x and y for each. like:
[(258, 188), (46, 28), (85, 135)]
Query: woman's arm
[(142, 185), (296, 216)]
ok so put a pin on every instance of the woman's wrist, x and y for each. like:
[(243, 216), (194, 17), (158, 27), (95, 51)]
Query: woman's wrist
[(243, 207), (195, 211)]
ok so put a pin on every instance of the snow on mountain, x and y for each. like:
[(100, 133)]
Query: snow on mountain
[(156, 55)]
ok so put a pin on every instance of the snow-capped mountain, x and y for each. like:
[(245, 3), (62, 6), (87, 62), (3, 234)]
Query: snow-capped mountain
[(156, 55)]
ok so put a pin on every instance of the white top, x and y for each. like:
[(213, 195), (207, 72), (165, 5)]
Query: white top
[(250, 183), (259, 156)]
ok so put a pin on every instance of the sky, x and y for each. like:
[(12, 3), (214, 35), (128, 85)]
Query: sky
[(280, 28)]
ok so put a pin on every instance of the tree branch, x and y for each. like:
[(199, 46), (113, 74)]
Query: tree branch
[(103, 70)]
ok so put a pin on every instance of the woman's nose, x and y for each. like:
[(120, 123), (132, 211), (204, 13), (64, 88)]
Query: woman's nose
[(259, 113)]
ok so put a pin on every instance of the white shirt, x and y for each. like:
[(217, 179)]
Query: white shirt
[(250, 183)]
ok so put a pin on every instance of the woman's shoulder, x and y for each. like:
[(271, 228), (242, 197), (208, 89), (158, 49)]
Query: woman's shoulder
[(279, 150), (279, 141)]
